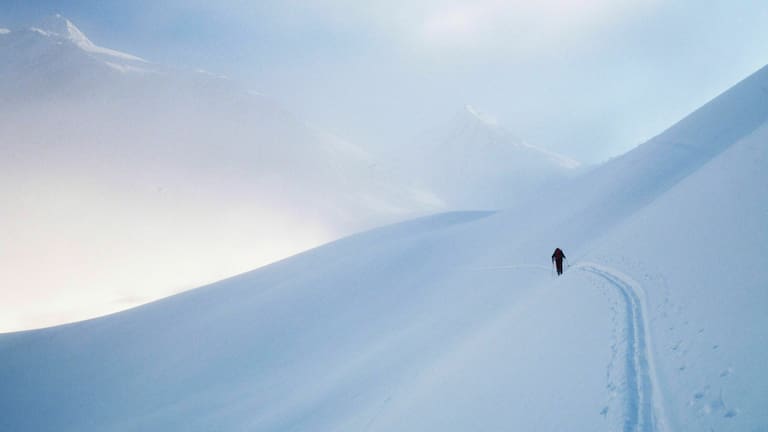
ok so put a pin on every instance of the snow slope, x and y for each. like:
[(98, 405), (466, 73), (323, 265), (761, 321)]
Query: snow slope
[(698, 251), (454, 322)]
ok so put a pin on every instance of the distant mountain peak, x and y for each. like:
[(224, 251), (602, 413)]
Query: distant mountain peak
[(59, 26)]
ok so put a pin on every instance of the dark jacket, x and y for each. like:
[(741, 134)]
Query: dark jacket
[(558, 255)]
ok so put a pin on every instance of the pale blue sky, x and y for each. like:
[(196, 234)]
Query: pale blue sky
[(589, 78)]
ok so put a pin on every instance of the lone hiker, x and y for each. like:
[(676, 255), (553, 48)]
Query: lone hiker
[(557, 259)]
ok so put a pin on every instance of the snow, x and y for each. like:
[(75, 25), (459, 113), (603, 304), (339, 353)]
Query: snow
[(474, 162), (484, 118), (59, 26), (707, 303), (454, 322), (55, 59), (127, 68)]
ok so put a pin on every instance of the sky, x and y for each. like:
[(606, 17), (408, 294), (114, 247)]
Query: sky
[(588, 78)]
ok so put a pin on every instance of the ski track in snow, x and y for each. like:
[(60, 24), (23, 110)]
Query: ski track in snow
[(641, 414)]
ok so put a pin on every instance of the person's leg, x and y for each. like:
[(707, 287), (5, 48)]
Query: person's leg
[(559, 267)]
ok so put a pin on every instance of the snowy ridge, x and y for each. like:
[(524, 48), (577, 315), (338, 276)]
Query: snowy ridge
[(502, 137), (483, 118), (127, 68), (656, 165), (565, 162), (59, 26), (474, 162)]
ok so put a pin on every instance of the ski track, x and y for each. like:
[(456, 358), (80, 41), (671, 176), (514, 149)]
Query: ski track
[(642, 412), (640, 415)]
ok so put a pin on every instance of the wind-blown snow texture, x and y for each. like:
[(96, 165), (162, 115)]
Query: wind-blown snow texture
[(455, 323)]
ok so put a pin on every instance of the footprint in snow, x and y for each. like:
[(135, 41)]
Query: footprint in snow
[(700, 394)]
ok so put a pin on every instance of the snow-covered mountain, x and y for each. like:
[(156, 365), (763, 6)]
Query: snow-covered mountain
[(55, 58), (474, 162), (455, 322), (134, 143)]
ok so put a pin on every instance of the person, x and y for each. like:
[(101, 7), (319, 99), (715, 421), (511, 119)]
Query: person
[(557, 259)]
